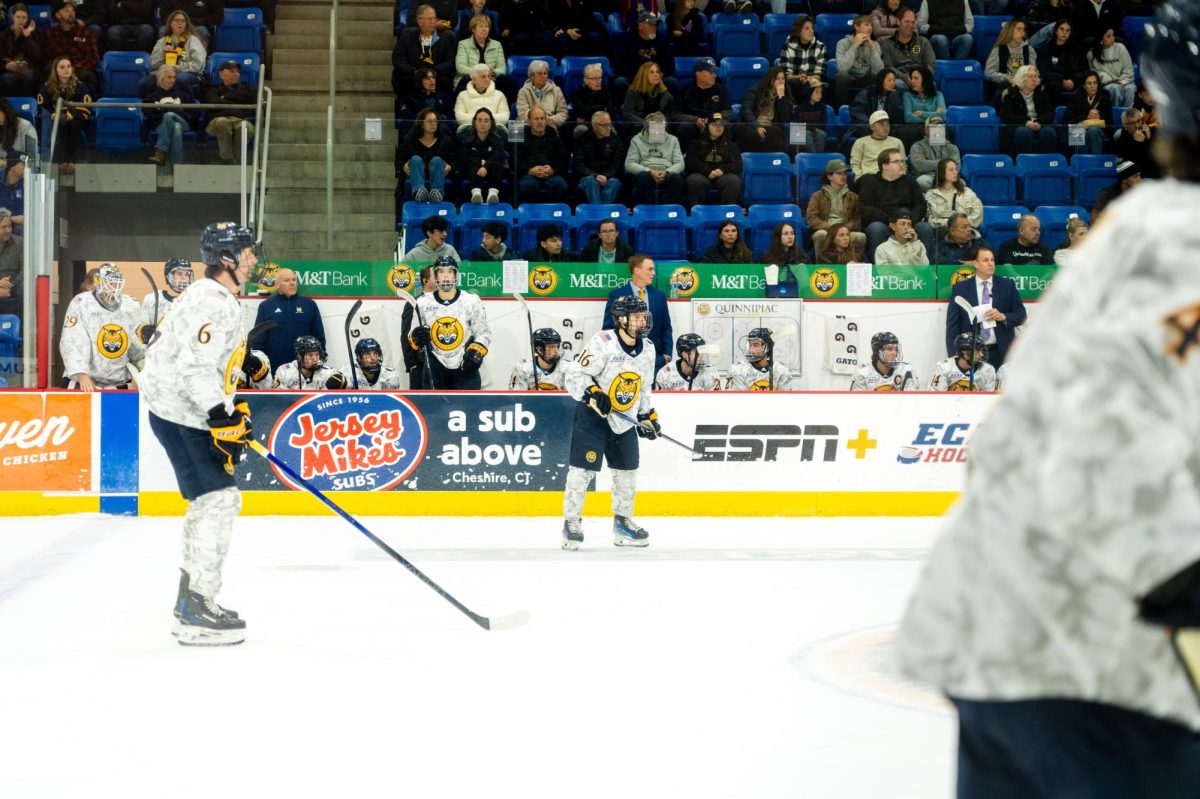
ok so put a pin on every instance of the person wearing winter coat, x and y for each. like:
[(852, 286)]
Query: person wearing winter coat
[(182, 47), (541, 92), (482, 157), (714, 162), (655, 161), (479, 48), (951, 194), (481, 93), (924, 155)]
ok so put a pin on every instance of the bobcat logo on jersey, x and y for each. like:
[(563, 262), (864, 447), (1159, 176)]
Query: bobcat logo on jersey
[(401, 277), (685, 281), (267, 280), (112, 341), (447, 333), (824, 282), (233, 369), (543, 280), (760, 385), (624, 390), (885, 387), (961, 274)]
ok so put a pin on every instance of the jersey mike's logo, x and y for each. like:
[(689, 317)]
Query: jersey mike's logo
[(684, 281), (401, 277), (112, 341), (624, 390), (447, 333), (350, 442), (824, 282), (542, 280)]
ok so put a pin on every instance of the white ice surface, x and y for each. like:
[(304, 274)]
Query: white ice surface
[(733, 658)]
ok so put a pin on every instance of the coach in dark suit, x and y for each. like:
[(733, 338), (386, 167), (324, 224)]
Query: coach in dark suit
[(1007, 309), (641, 283)]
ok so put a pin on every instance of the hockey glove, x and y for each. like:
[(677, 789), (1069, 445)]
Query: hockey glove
[(598, 401), (146, 332), (648, 426), (473, 358), (419, 337), (229, 433), (336, 382), (253, 367)]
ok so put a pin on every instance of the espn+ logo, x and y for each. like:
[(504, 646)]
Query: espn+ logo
[(764, 442)]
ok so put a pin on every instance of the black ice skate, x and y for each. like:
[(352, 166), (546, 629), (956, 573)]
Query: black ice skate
[(628, 533), (572, 534), (202, 622), (183, 589)]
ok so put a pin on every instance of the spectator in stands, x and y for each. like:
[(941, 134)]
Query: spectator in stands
[(63, 82), (803, 58), (1134, 141), (1111, 60), (606, 246), (540, 91), (12, 265), (71, 38), (907, 50), (656, 163), (834, 204), (1129, 175), (881, 96), (765, 114), (644, 46), (641, 284), (20, 54), (130, 25), (698, 101), (204, 15), (414, 360), (925, 155), (549, 248), (575, 29), (1077, 231), (169, 126), (1040, 19), (590, 97), (524, 27), (839, 248), (987, 288), (541, 161), (1090, 18), (12, 190), (1026, 248), (902, 247), (1060, 61), (294, 316), (881, 195), (597, 160), (784, 247), (864, 155), (1028, 114), (686, 29), (424, 45), (647, 95), (229, 127), (1011, 52), (492, 246), (729, 247), (858, 59), (427, 157), (1145, 104), (181, 47), (1092, 109), (885, 19), (481, 94), (922, 100), (951, 194), (426, 94), (482, 157), (814, 114), (957, 245), (481, 48), (16, 132), (445, 10), (434, 246), (714, 162), (949, 25)]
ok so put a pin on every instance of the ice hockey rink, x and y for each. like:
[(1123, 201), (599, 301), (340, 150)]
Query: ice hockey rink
[(736, 657)]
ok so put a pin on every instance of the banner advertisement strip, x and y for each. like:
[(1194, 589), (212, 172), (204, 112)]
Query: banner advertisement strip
[(46, 442), (1032, 281)]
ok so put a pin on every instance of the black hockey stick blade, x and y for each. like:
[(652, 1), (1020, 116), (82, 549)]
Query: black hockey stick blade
[(350, 350), (411, 300), (509, 622), (636, 423), (154, 286), (258, 330)]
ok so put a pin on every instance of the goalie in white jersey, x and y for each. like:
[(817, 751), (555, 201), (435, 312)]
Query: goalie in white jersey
[(615, 374), (887, 370), (547, 347), (954, 373), (689, 372), (188, 385), (309, 372), (100, 335), (1050, 608), (178, 275), (759, 372), (369, 369), (453, 329)]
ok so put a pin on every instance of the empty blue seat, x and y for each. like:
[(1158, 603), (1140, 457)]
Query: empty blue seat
[(412, 214), (810, 168), (588, 218), (987, 31), (241, 31), (249, 63), (992, 177), (518, 66), (960, 82), (660, 231), (1134, 30), (976, 128), (534, 215), (832, 28), (738, 74), (121, 71), (684, 64), (776, 28), (1000, 222), (42, 16), (10, 336), (26, 107), (474, 216), (119, 130), (706, 221), (761, 220), (766, 178), (572, 71), (1054, 222), (740, 37), (1092, 173), (1045, 179)]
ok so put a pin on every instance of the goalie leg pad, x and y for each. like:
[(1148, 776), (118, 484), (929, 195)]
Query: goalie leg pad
[(206, 531)]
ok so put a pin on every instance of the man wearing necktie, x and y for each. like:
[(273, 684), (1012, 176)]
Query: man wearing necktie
[(987, 289), (641, 284)]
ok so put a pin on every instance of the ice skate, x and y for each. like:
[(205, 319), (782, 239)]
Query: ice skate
[(181, 601), (202, 622), (628, 533), (572, 534)]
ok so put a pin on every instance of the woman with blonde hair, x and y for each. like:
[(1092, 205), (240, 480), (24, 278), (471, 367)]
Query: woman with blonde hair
[(1077, 231), (1011, 52), (61, 82), (181, 47), (647, 94)]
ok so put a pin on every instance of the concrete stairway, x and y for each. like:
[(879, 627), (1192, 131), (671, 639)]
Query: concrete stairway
[(363, 171)]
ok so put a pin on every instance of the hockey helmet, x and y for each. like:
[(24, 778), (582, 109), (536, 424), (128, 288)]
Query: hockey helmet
[(543, 338), (179, 274), (365, 347), (1171, 68), (766, 344), (690, 343), (109, 282), (309, 344), (968, 345), (221, 244), (626, 306), (881, 341), (440, 266)]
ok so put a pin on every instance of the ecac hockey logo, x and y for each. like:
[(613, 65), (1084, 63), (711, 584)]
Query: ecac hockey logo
[(350, 442), (936, 442)]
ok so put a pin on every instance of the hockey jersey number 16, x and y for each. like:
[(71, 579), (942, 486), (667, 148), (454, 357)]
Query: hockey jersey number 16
[(625, 374)]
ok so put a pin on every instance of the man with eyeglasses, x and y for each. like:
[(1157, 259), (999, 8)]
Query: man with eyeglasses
[(591, 97), (881, 196), (598, 161)]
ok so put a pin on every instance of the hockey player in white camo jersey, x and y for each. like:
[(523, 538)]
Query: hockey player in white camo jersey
[(1001, 376), (100, 335), (886, 370), (455, 330), (688, 372), (178, 275), (547, 344), (370, 370), (954, 373), (1048, 607), (188, 386), (614, 374), (309, 372), (759, 372)]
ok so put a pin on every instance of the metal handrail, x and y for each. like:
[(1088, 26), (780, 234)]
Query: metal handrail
[(329, 126)]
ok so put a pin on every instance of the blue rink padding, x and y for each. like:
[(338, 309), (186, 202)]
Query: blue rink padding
[(119, 452)]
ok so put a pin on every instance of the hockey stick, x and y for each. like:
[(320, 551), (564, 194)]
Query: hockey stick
[(153, 336), (532, 348), (636, 423), (962, 302), (258, 330), (411, 300), (509, 622), (350, 350)]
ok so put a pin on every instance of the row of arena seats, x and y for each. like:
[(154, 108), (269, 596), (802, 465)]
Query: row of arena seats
[(241, 30), (122, 70), (669, 231)]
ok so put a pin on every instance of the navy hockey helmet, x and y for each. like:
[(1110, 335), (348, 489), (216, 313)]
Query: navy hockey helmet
[(881, 340), (542, 338), (309, 344), (221, 244), (968, 345), (449, 282), (627, 305), (766, 344), (364, 346), (1171, 67), (688, 342), (179, 274)]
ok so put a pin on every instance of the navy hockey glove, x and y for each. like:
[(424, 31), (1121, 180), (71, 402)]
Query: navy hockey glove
[(229, 433), (336, 382), (419, 336), (598, 401), (253, 367), (648, 426), (473, 358)]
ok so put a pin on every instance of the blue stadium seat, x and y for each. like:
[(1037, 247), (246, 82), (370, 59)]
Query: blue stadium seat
[(121, 71), (683, 64), (534, 215), (518, 67), (1092, 173), (660, 231), (241, 31), (761, 221), (832, 28), (991, 177), (722, 18), (588, 218), (250, 64), (830, 68), (615, 25), (976, 128), (10, 336), (26, 107), (474, 216), (706, 220), (572, 71), (1000, 222), (960, 82), (1134, 31), (766, 178), (738, 74), (1045, 179), (810, 167), (987, 31), (42, 16), (740, 37), (1118, 110), (119, 130), (776, 28), (464, 21), (1054, 222), (412, 214)]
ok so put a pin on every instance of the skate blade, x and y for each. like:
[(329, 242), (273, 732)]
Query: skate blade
[(623, 541), (190, 635), (571, 546)]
